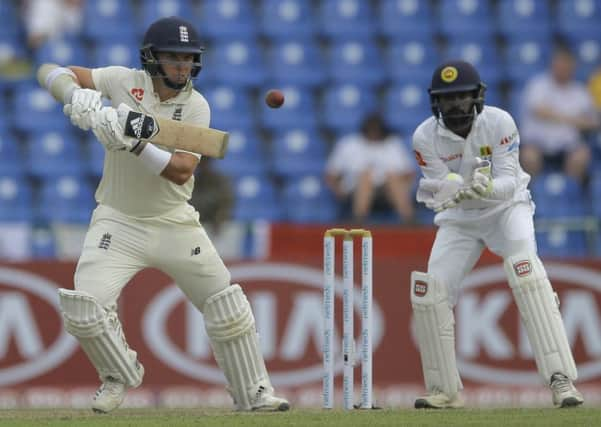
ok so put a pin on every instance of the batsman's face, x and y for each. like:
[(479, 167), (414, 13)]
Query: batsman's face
[(177, 66)]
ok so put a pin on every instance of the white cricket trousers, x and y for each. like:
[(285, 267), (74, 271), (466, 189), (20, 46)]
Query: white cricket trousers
[(117, 247), (458, 246)]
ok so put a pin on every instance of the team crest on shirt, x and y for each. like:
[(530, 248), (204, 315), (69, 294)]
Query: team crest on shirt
[(486, 152), (137, 93)]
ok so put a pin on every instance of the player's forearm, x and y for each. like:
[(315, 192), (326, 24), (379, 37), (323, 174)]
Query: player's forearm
[(84, 76), (180, 168)]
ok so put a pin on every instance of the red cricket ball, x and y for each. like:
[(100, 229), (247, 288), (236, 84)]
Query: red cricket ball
[(274, 98)]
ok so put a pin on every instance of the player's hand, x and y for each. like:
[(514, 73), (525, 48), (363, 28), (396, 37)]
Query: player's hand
[(481, 185), (109, 130), (84, 103)]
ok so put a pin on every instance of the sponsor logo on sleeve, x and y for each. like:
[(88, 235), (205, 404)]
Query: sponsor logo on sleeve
[(137, 93)]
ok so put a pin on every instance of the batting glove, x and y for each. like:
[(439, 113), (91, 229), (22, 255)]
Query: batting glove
[(109, 129), (84, 103)]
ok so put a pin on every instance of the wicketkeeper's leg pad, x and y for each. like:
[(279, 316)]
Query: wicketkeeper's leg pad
[(539, 310), (435, 330), (230, 326), (99, 333)]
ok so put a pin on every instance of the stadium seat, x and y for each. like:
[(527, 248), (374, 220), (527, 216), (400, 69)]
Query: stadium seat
[(307, 199), (43, 244), (256, 199), (411, 60), (296, 62), (109, 20), (65, 199), (15, 199), (11, 159), (228, 19), (578, 17), (53, 154), (36, 110), (94, 159), (529, 18), (298, 152), (406, 106), (355, 61), (346, 18), (153, 10), (560, 242), (526, 57), (466, 17), (557, 195), (9, 20), (237, 62), (345, 106), (125, 53), (595, 186), (406, 19), (285, 19), (588, 54), (230, 107), (298, 111), (482, 53), (63, 51), (245, 155), (493, 97)]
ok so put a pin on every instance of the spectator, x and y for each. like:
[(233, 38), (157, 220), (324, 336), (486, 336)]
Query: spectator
[(48, 19), (372, 171), (212, 196), (557, 111)]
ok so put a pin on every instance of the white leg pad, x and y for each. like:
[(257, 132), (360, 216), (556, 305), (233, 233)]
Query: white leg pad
[(99, 333), (230, 326), (539, 310), (435, 330)]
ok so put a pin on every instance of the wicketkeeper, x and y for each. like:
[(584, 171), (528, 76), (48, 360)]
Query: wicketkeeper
[(484, 203)]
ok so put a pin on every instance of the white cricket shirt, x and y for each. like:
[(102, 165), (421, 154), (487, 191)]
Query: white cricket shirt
[(126, 184), (494, 136)]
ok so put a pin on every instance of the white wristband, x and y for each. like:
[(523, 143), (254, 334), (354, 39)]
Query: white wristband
[(153, 157), (63, 90)]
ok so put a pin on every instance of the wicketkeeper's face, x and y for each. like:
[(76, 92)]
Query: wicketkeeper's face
[(176, 66)]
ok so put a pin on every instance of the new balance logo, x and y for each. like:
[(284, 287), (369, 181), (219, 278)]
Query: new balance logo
[(177, 114), (183, 34), (195, 251), (105, 241), (136, 125)]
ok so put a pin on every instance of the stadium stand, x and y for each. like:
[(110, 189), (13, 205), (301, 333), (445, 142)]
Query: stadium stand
[(335, 60)]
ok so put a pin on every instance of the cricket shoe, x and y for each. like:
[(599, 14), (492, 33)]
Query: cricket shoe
[(265, 401), (565, 395), (110, 394), (439, 401)]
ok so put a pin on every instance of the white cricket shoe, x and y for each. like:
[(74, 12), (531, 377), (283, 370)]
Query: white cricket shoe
[(439, 401), (265, 401), (565, 395), (111, 393)]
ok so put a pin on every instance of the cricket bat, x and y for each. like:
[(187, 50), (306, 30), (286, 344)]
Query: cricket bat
[(166, 132)]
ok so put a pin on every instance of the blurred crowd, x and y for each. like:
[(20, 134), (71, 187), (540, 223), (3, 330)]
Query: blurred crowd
[(355, 75)]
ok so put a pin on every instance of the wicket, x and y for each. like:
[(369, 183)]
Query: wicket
[(348, 340)]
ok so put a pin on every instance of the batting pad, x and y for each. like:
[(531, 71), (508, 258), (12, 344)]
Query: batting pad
[(230, 325), (100, 335), (435, 330), (539, 310)]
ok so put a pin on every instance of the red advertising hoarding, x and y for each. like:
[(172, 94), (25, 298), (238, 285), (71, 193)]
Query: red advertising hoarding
[(41, 365)]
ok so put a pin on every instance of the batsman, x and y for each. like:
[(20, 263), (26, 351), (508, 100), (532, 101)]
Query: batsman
[(143, 219), (469, 157)]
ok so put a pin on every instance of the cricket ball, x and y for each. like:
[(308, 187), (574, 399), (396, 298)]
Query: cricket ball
[(274, 98)]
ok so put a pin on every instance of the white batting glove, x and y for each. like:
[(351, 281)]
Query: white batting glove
[(108, 128), (84, 103), (481, 185)]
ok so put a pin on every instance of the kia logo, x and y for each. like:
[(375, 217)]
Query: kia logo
[(484, 348), (22, 295), (288, 342)]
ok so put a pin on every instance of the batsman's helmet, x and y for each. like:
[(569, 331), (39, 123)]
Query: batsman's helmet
[(171, 34), (455, 77)]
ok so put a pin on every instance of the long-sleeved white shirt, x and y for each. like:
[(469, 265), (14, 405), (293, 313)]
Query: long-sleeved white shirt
[(494, 136)]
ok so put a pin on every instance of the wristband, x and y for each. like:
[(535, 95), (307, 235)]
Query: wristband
[(154, 158)]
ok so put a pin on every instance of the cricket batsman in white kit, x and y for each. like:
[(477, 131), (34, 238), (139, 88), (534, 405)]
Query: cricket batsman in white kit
[(469, 157), (143, 220)]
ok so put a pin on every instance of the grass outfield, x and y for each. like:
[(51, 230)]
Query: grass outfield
[(209, 417)]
